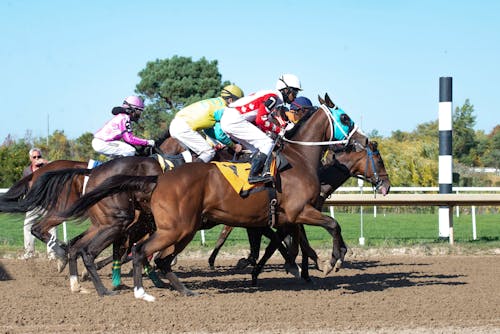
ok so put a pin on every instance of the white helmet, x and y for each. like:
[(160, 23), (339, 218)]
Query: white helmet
[(288, 80)]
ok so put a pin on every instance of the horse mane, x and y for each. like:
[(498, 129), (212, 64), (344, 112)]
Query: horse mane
[(162, 137), (309, 111)]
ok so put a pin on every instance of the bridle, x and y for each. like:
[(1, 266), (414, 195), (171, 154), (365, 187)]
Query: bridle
[(375, 180), (346, 143), (332, 121)]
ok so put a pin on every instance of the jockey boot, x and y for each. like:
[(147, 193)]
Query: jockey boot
[(258, 162)]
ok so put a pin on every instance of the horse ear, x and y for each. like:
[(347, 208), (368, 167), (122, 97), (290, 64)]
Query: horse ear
[(320, 99), (329, 101)]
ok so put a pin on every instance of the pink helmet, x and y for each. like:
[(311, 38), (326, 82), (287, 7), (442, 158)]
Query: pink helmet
[(133, 102)]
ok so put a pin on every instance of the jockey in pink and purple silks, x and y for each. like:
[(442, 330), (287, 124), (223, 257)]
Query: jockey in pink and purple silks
[(108, 140)]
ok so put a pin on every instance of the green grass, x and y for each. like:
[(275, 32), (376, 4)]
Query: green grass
[(391, 230), (11, 232)]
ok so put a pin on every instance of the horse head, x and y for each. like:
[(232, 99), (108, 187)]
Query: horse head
[(355, 155)]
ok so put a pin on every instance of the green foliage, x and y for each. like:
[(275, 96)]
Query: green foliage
[(410, 162), (464, 137), (170, 84), (490, 152), (81, 148), (58, 147), (14, 158)]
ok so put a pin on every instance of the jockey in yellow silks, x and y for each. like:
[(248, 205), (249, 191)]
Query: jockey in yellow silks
[(204, 115)]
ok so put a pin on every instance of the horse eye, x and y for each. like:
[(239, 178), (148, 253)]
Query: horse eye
[(345, 119)]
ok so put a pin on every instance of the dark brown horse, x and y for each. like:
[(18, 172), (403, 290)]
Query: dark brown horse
[(67, 179), (186, 197), (345, 162), (11, 201)]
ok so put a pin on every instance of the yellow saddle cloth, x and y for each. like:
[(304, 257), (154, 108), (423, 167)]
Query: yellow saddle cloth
[(236, 173)]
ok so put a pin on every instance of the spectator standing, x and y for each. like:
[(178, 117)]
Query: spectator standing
[(36, 162)]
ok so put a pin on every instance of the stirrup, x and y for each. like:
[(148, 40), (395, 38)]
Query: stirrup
[(260, 178)]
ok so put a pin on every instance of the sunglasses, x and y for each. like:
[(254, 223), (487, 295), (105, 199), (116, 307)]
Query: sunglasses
[(36, 156)]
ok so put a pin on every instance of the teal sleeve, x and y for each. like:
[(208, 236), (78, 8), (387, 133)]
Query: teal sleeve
[(218, 114), (217, 133)]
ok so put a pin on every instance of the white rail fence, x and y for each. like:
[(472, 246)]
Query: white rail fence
[(420, 196)]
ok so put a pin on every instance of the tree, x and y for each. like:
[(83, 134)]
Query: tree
[(170, 84), (14, 158), (58, 146), (491, 155), (81, 148), (464, 136)]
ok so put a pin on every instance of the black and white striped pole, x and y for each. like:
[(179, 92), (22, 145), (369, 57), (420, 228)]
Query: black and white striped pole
[(445, 154)]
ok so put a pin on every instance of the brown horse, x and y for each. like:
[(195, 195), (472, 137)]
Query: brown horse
[(70, 190), (114, 219), (184, 198), (11, 201), (345, 162), (67, 186)]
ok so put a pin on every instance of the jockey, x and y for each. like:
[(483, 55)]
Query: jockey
[(248, 119), (107, 140), (205, 115), (297, 108)]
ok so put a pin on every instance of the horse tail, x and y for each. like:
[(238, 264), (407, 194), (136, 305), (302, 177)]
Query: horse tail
[(47, 190), (15, 193), (113, 185)]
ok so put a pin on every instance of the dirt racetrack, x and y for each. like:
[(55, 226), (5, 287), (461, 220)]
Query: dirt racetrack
[(372, 294)]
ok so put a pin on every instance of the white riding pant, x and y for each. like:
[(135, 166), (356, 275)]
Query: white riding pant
[(113, 148), (181, 131), (247, 134), (29, 239)]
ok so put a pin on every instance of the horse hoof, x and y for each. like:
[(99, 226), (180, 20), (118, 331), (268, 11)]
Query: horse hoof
[(190, 293), (327, 268), (84, 291), (139, 293), (242, 263), (85, 275), (119, 287), (338, 265), (293, 269), (61, 264), (109, 293)]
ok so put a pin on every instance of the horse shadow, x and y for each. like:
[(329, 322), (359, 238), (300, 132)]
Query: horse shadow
[(231, 280), (4, 274)]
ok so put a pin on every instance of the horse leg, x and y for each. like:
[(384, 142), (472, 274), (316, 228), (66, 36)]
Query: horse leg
[(276, 243), (104, 262), (307, 251), (312, 216), (61, 263), (118, 253), (41, 231), (339, 249), (164, 261), (104, 237), (73, 253), (160, 240), (226, 230), (254, 238)]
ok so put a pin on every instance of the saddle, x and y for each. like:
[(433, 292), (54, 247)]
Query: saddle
[(236, 173)]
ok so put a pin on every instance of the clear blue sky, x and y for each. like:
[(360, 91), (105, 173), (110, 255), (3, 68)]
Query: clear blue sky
[(70, 62)]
